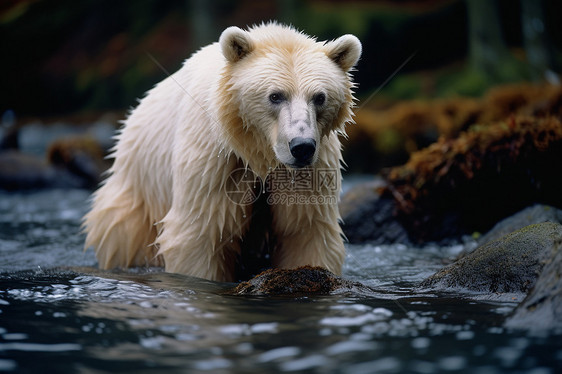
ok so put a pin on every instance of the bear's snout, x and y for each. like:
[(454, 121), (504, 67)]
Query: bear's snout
[(302, 150)]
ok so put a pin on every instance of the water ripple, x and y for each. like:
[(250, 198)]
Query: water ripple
[(81, 319)]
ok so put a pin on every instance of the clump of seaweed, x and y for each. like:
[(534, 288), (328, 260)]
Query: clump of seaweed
[(305, 280)]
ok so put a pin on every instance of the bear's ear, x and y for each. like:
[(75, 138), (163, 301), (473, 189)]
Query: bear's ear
[(235, 43), (344, 51)]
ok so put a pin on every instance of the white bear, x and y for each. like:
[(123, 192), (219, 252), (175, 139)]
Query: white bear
[(269, 101)]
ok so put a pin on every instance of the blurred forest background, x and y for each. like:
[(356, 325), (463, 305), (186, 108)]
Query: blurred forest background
[(459, 111), (71, 69), (67, 56)]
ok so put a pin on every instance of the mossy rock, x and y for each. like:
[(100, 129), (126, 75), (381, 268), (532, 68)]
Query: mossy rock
[(510, 264), (537, 213), (504, 167), (305, 280)]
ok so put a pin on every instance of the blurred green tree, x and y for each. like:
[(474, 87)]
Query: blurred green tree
[(487, 48), (536, 41)]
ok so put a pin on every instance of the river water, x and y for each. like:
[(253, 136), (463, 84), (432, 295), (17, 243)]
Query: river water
[(58, 314)]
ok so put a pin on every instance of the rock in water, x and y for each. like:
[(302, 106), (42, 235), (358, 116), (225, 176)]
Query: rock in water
[(510, 264), (306, 280), (20, 171), (369, 218), (542, 308)]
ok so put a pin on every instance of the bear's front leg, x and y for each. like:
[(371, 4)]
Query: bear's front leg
[(202, 232), (204, 245), (306, 220), (198, 250)]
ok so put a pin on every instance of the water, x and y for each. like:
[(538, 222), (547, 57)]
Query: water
[(59, 314)]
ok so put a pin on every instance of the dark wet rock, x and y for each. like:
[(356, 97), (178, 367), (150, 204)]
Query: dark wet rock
[(369, 218), (36, 137), (82, 156), (51, 157), (359, 195), (58, 155), (542, 308), (306, 280), (8, 131), (21, 171), (510, 264)]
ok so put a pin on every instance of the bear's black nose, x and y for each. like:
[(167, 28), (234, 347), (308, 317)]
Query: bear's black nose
[(302, 150)]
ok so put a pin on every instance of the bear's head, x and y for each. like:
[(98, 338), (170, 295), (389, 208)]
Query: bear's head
[(283, 93)]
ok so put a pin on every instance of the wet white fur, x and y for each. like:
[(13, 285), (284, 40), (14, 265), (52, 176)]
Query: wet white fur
[(164, 202)]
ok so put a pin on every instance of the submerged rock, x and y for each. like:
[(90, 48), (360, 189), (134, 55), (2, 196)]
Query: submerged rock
[(306, 280), (510, 264)]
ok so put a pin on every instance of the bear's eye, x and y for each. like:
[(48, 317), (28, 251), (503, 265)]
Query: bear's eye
[(319, 99), (276, 98)]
